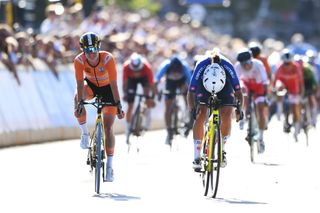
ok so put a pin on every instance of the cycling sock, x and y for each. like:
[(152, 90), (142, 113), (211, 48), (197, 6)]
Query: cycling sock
[(127, 128), (261, 134), (279, 109), (197, 148), (296, 128), (224, 141), (84, 128), (109, 161)]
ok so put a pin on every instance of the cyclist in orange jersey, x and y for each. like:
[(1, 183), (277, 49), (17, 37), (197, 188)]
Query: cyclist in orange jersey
[(95, 73), (289, 76)]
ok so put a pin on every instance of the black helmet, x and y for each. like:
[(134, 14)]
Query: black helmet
[(90, 42), (255, 50), (244, 56)]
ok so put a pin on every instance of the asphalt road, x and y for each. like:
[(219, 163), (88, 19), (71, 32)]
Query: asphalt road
[(54, 177)]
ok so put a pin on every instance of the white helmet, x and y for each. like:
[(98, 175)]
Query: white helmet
[(214, 78)]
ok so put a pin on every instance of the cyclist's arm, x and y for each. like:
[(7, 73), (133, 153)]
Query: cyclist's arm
[(187, 72), (78, 67), (162, 70)]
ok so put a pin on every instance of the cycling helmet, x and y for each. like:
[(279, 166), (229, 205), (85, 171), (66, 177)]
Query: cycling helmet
[(90, 42), (286, 56), (214, 78), (175, 62), (255, 49), (136, 63), (244, 56)]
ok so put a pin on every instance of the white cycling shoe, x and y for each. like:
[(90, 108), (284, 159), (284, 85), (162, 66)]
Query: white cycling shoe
[(109, 176), (84, 141)]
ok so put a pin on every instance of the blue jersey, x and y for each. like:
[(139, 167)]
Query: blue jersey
[(201, 65), (164, 68)]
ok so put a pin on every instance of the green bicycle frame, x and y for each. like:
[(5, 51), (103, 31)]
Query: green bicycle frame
[(213, 121)]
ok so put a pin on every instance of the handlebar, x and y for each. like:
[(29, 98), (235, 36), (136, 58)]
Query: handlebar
[(97, 103)]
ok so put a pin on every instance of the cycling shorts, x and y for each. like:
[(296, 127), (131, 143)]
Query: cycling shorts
[(106, 93), (173, 85), (132, 87), (226, 95)]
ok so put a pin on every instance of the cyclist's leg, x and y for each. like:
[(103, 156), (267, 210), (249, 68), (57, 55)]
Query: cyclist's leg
[(109, 114), (130, 96), (226, 117), (296, 110), (313, 109)]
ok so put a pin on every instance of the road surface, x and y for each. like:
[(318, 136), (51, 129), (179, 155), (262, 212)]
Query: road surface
[(54, 177)]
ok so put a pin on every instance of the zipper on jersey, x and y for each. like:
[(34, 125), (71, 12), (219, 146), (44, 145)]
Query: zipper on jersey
[(95, 75)]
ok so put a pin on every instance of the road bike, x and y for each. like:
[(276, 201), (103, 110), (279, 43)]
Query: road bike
[(211, 147), (96, 154), (252, 126), (139, 119), (305, 117), (180, 123)]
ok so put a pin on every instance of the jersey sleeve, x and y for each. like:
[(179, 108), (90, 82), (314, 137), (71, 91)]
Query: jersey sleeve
[(162, 70), (78, 68), (111, 67), (149, 73), (197, 74), (230, 71)]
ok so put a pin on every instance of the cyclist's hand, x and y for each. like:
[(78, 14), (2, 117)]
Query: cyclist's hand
[(80, 107), (239, 115), (120, 112), (150, 103), (121, 115)]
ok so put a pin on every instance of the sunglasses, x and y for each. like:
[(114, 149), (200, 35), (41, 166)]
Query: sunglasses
[(91, 50), (248, 62)]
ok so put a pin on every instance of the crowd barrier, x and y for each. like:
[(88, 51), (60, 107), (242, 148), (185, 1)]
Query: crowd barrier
[(41, 108)]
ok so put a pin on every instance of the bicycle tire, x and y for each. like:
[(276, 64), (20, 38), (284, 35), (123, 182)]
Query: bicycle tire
[(134, 125), (217, 159), (99, 160), (211, 172), (250, 128)]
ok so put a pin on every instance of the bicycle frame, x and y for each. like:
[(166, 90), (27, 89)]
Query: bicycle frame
[(97, 146)]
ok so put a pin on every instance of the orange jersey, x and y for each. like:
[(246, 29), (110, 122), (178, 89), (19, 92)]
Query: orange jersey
[(291, 76), (264, 60), (101, 74)]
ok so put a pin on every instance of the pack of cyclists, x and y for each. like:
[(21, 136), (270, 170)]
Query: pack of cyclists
[(213, 72)]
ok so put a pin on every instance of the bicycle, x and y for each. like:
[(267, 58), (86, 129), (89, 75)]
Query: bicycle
[(305, 117), (96, 156), (252, 124), (179, 123), (211, 147), (138, 120)]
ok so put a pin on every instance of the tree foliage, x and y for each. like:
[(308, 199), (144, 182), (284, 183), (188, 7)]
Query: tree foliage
[(150, 5)]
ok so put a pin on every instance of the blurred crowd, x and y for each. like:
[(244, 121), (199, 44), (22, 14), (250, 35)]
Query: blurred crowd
[(122, 32)]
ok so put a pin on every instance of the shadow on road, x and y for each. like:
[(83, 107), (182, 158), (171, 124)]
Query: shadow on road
[(237, 201), (116, 197)]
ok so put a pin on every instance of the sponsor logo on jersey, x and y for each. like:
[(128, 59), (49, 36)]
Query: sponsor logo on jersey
[(101, 69)]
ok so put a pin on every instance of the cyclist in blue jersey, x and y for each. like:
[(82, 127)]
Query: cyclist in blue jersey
[(177, 74), (213, 73)]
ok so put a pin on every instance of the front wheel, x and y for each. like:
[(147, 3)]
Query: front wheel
[(99, 162), (212, 162)]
